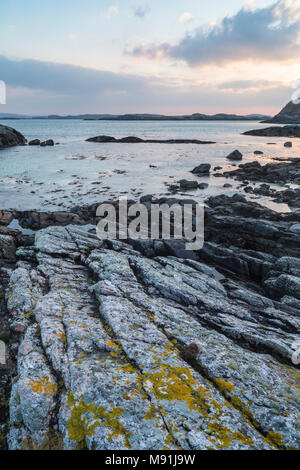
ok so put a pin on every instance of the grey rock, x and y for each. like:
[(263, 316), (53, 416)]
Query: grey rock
[(119, 349), (235, 155), (276, 131), (185, 184), (202, 169), (47, 143), (295, 228)]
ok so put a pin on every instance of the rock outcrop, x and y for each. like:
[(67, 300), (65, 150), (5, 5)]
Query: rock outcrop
[(123, 351), (9, 137), (278, 173), (290, 114), (137, 140), (276, 131), (143, 345)]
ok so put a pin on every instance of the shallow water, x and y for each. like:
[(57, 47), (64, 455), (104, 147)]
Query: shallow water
[(76, 172)]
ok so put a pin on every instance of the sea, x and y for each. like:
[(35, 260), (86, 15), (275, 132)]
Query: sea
[(75, 172)]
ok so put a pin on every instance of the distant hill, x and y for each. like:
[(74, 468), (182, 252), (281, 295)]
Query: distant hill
[(290, 114), (192, 117), (14, 116), (145, 117)]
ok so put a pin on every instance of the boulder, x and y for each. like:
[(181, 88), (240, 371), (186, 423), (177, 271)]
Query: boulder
[(202, 169), (185, 184), (47, 143), (7, 247), (6, 217), (35, 142), (9, 137), (236, 155)]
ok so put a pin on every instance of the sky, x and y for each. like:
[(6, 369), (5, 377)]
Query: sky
[(149, 56)]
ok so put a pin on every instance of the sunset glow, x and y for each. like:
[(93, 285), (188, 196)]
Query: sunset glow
[(155, 57)]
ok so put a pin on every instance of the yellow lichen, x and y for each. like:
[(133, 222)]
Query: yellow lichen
[(276, 438), (61, 336), (224, 386), (86, 417), (43, 385), (151, 413), (112, 345), (176, 383), (226, 436)]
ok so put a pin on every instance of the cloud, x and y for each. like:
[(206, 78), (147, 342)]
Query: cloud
[(63, 78), (186, 18), (36, 87), (112, 11), (142, 11), (241, 86), (269, 34)]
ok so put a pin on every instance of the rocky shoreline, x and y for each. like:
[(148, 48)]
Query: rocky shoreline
[(144, 345), (273, 173), (276, 131)]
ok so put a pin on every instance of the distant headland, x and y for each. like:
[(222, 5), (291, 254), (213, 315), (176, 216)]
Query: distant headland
[(145, 117)]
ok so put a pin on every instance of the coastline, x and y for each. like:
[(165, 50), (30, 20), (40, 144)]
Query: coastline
[(101, 327)]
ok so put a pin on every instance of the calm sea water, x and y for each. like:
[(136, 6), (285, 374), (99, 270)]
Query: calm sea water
[(77, 172)]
